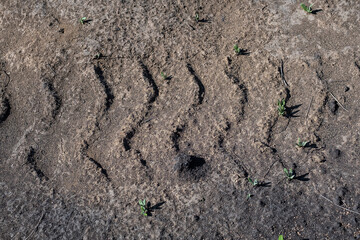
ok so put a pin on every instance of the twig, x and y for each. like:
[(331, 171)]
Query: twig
[(308, 110), (339, 205), (338, 102), (52, 69), (149, 119), (281, 69), (37, 225)]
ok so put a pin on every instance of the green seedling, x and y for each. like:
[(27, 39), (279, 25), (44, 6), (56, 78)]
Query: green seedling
[(163, 75), (237, 49), (98, 56), (307, 9), (281, 107), (144, 208), (254, 183), (197, 17), (290, 174), (248, 196), (301, 144), (281, 237), (83, 20)]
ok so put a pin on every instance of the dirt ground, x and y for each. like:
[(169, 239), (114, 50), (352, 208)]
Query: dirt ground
[(89, 126)]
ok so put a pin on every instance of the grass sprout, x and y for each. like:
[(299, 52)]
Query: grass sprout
[(98, 56), (237, 49), (254, 182), (301, 144), (281, 107), (197, 19), (143, 207), (83, 20), (163, 75), (307, 9), (290, 174)]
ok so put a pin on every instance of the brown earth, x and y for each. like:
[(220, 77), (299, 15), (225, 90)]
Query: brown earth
[(84, 138)]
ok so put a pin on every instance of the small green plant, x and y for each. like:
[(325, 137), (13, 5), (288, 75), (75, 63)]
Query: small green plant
[(254, 183), (307, 9), (163, 75), (98, 56), (237, 49), (197, 19), (281, 237), (248, 196), (290, 174), (281, 107), (301, 144), (83, 20), (144, 208)]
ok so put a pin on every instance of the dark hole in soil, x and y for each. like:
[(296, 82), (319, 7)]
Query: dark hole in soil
[(189, 167), (196, 162), (143, 162)]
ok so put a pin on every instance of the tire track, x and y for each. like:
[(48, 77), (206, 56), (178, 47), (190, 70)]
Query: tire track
[(109, 99), (31, 160), (222, 136), (151, 99), (51, 103), (148, 77), (176, 134), (5, 108), (243, 90), (103, 171), (265, 144), (129, 135), (201, 93), (271, 123), (55, 100)]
